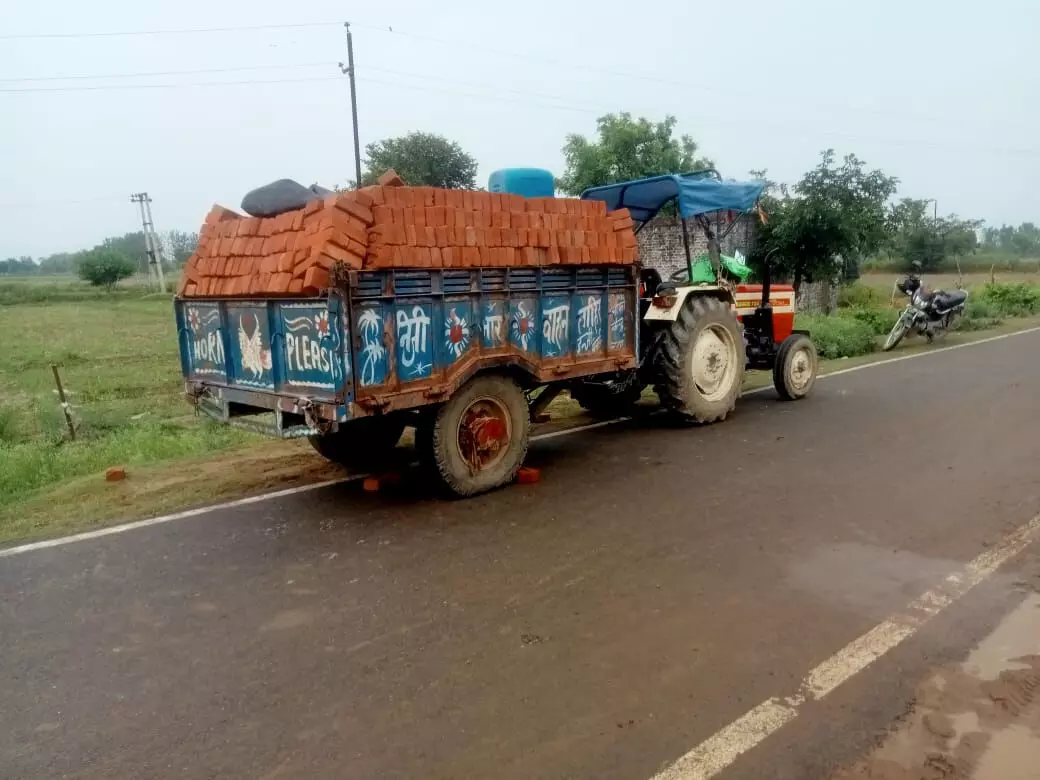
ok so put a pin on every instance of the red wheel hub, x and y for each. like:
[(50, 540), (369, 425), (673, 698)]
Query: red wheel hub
[(484, 433)]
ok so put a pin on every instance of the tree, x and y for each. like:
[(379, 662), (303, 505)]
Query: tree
[(627, 149), (19, 266), (178, 245), (421, 159), (836, 213), (104, 267)]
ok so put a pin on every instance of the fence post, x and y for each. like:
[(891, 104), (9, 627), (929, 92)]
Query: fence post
[(64, 402)]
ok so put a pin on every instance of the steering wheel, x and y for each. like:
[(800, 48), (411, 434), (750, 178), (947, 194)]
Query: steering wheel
[(681, 275)]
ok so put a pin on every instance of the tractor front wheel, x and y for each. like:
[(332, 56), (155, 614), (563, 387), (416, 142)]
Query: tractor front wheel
[(477, 439), (700, 361), (794, 372)]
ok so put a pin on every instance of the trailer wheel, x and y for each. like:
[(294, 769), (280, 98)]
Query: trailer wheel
[(700, 361), (794, 372), (364, 443), (611, 398), (477, 440)]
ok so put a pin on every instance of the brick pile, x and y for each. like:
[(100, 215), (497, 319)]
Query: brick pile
[(392, 226)]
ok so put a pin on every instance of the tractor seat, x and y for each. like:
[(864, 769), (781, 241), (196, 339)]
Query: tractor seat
[(947, 300)]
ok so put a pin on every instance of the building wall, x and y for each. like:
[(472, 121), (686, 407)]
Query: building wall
[(661, 243)]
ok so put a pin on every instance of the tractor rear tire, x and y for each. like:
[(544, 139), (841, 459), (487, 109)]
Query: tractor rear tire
[(477, 440), (794, 372), (700, 361), (612, 398), (366, 443)]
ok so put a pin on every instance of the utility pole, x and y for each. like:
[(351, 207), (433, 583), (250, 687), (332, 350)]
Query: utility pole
[(349, 70), (151, 241)]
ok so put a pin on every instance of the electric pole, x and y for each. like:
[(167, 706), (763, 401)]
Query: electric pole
[(349, 70), (151, 241)]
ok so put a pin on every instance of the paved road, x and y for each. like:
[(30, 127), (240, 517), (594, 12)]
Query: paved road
[(656, 585)]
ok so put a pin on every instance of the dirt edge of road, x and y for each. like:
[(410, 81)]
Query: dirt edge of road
[(90, 502)]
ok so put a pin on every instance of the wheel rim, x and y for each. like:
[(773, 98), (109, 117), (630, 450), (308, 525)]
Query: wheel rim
[(896, 333), (800, 371), (714, 364), (484, 434)]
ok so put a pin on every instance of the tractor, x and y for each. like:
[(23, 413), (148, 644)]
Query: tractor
[(699, 330)]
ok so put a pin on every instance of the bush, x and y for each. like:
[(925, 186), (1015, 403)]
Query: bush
[(879, 320), (839, 336), (859, 295), (105, 267), (1010, 299)]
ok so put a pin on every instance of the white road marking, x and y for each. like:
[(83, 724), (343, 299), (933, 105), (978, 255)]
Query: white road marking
[(134, 525), (723, 748)]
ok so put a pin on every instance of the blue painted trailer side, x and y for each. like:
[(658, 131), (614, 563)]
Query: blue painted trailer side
[(401, 339)]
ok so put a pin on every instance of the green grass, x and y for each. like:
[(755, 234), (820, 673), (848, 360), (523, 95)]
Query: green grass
[(117, 355)]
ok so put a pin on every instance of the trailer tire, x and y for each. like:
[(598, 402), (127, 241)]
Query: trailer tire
[(700, 361), (477, 440), (365, 443), (612, 398), (794, 372)]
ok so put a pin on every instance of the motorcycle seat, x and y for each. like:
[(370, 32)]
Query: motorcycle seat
[(947, 300)]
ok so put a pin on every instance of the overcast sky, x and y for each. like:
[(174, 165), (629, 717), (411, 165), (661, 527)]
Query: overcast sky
[(941, 93)]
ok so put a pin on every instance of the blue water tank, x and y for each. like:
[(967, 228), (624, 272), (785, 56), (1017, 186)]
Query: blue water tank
[(529, 182)]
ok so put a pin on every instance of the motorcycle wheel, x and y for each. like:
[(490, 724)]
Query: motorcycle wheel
[(895, 336)]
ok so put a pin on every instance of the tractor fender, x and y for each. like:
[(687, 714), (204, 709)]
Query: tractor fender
[(682, 292)]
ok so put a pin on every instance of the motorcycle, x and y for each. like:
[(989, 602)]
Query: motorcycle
[(927, 313)]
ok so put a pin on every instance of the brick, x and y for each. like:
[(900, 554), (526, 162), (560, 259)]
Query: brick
[(509, 237), (499, 219), (628, 238), (448, 255), (535, 205), (350, 205), (562, 238), (482, 219), (348, 226), (591, 239), (374, 193), (312, 206), (436, 261), (511, 202), (392, 196), (493, 236), (470, 236), (341, 255), (295, 287), (624, 224), (441, 236), (454, 199), (382, 215), (467, 200), (586, 254), (496, 201), (458, 218), (436, 216), (440, 197), (470, 257), (470, 217), (315, 280), (522, 237), (379, 257), (417, 216), (529, 256), (428, 198), (426, 236), (390, 179), (577, 238), (361, 197)]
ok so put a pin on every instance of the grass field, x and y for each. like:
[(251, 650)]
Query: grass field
[(117, 354), (882, 281)]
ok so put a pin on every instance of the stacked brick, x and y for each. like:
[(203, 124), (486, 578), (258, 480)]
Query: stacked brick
[(400, 227)]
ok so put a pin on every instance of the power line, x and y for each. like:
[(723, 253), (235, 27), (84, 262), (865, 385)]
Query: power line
[(183, 31), (192, 84), (141, 74)]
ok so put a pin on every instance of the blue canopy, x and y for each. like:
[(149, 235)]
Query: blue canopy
[(700, 192)]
